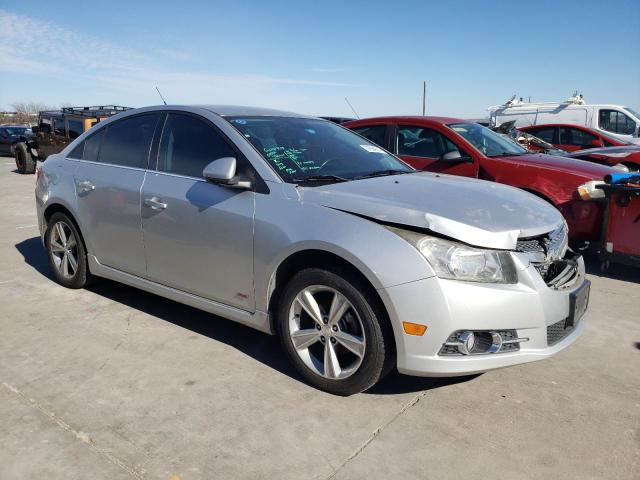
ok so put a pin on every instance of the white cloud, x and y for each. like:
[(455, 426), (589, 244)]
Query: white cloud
[(61, 55)]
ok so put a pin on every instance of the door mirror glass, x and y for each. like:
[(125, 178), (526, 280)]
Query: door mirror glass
[(223, 172)]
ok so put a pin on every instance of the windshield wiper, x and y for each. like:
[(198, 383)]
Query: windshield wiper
[(383, 173), (321, 178)]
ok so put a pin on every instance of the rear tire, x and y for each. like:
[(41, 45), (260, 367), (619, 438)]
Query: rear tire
[(347, 346), (24, 160), (66, 252)]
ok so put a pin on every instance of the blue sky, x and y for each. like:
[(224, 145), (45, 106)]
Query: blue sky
[(306, 56)]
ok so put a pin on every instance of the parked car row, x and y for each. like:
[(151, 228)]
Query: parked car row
[(456, 147), (617, 121), (333, 239)]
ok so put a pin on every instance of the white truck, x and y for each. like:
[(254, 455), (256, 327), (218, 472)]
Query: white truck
[(614, 120)]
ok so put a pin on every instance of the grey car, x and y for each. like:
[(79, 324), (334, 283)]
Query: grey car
[(300, 228)]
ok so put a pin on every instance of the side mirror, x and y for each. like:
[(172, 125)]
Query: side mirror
[(595, 143), (35, 129), (223, 172), (454, 156)]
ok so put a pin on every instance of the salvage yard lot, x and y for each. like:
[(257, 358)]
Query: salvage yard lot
[(113, 382)]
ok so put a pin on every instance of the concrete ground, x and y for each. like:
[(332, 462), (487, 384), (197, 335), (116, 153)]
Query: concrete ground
[(114, 383)]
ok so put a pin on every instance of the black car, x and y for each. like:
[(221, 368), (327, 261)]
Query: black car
[(10, 135)]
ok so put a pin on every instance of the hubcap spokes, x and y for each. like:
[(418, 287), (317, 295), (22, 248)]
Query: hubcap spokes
[(326, 332), (64, 250)]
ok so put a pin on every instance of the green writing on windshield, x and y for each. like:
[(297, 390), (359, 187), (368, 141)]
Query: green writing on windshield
[(290, 160)]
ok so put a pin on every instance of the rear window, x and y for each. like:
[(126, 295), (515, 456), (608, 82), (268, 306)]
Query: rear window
[(92, 146), (127, 142)]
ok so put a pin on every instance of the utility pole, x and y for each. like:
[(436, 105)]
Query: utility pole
[(424, 97)]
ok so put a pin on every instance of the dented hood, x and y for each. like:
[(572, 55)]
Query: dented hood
[(485, 214)]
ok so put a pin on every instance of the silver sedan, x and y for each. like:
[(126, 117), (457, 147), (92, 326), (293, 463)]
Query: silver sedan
[(298, 227)]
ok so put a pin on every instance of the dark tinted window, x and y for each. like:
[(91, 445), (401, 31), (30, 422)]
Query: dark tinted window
[(127, 142), (77, 152), (423, 142), (188, 145), (375, 133), (616, 122), (577, 137), (545, 134), (75, 128), (92, 146), (58, 126)]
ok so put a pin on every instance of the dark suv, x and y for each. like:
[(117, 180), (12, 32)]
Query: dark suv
[(10, 135), (55, 130)]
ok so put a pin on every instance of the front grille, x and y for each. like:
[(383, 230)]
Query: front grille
[(550, 256), (558, 331)]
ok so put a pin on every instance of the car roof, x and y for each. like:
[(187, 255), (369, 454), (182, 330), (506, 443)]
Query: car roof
[(412, 119), (243, 111)]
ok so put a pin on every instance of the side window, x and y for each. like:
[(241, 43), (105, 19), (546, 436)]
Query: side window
[(77, 152), (579, 137), (375, 133), (75, 128), (545, 134), (423, 142), (127, 142), (188, 145), (58, 127), (616, 122), (92, 146)]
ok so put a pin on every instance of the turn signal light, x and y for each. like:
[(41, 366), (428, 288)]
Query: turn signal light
[(414, 328)]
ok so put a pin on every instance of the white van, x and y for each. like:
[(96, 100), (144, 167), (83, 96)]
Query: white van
[(614, 120)]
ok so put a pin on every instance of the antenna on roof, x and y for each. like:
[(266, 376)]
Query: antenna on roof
[(424, 97), (163, 100), (353, 109)]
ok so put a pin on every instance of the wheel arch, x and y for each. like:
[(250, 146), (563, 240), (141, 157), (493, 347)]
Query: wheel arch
[(313, 258), (55, 207)]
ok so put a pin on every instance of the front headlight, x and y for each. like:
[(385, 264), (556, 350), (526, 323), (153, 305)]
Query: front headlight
[(588, 191), (457, 261)]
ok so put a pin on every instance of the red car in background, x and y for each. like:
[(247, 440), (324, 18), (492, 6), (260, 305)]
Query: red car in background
[(588, 144), (459, 147)]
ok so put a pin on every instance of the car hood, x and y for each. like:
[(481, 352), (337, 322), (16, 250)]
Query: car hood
[(621, 151), (588, 170), (485, 214)]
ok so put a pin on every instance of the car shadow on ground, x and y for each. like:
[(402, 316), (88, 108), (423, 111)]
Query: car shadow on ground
[(261, 347)]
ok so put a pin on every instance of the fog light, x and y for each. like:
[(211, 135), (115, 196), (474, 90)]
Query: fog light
[(467, 340), (481, 342)]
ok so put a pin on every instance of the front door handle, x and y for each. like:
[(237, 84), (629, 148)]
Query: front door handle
[(85, 186), (155, 203)]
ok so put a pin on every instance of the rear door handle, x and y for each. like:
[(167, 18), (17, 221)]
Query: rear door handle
[(155, 203), (85, 186)]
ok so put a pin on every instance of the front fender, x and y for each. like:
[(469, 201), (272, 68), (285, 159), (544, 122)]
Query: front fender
[(284, 227)]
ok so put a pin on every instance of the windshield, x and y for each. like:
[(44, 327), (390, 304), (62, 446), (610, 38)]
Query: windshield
[(15, 130), (486, 141), (632, 112), (302, 148)]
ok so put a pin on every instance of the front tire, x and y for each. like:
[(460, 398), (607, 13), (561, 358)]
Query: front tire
[(25, 162), (334, 331), (66, 252)]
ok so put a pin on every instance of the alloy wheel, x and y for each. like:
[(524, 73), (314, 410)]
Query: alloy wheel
[(64, 250), (326, 332)]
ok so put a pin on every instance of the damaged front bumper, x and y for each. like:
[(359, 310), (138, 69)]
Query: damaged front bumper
[(536, 313)]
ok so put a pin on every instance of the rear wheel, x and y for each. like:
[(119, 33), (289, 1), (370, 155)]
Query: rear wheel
[(334, 332), (67, 255), (24, 160)]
